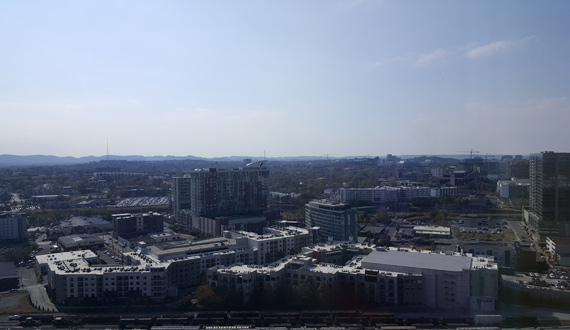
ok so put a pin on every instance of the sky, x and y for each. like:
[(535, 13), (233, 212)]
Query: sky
[(284, 78)]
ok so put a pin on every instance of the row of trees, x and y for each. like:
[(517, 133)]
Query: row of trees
[(18, 253), (306, 295)]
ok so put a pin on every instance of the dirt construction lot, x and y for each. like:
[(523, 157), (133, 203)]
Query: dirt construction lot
[(15, 303)]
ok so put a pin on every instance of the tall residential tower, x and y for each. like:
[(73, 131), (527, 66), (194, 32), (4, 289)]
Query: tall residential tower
[(209, 193), (549, 195)]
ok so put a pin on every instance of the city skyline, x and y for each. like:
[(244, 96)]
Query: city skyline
[(338, 78)]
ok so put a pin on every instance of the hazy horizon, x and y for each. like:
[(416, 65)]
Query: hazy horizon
[(118, 157), (285, 78)]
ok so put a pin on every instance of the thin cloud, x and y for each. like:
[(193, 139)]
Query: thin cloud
[(409, 58), (488, 49), (472, 51), (430, 57)]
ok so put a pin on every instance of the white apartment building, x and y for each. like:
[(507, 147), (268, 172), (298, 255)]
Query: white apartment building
[(158, 271), (275, 243), (393, 277), (444, 191), (381, 195), (77, 278), (559, 248), (249, 279), (513, 189), (450, 280)]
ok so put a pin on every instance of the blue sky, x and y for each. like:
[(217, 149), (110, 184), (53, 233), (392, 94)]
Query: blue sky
[(288, 78)]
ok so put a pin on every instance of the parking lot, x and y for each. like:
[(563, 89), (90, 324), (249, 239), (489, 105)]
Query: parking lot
[(109, 257), (556, 279), (143, 201), (482, 226)]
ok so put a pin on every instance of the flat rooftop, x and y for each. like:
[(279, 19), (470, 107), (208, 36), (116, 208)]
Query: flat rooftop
[(8, 270), (273, 233), (83, 221), (64, 256), (418, 260), (174, 249), (80, 239), (275, 266)]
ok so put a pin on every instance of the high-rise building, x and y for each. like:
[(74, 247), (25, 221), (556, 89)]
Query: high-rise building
[(209, 193), (549, 194), (514, 168), (181, 199), (219, 192), (336, 221)]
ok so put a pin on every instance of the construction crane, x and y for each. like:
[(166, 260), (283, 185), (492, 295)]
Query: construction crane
[(327, 155), (471, 152)]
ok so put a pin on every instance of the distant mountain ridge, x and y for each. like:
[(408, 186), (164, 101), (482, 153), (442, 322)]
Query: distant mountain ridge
[(39, 160), (36, 160)]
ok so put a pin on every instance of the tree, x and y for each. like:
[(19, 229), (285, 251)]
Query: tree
[(381, 217), (305, 294), (269, 298), (363, 217), (438, 217), (326, 295), (207, 298)]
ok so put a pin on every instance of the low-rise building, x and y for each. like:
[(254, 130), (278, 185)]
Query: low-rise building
[(450, 280), (8, 276), (43, 261), (513, 189), (245, 281), (504, 253), (80, 242), (338, 254), (12, 227), (80, 225), (382, 195), (129, 225), (432, 231), (559, 248), (444, 191), (275, 243)]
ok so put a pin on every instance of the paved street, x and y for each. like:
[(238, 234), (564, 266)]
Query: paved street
[(38, 294)]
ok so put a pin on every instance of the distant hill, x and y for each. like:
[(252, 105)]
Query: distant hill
[(39, 160)]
